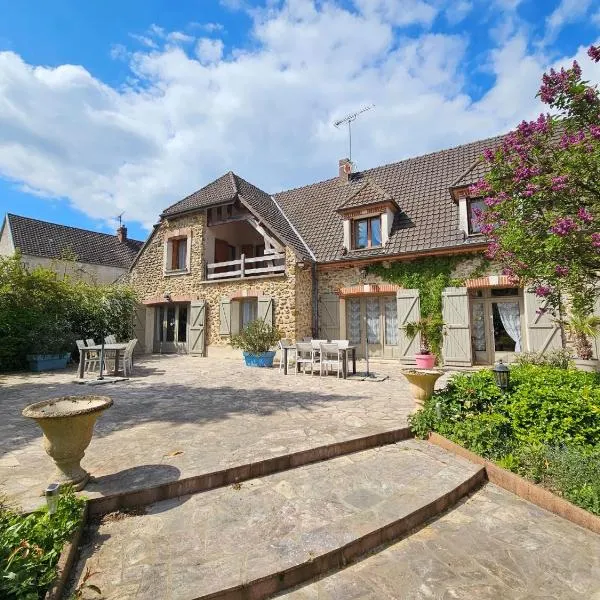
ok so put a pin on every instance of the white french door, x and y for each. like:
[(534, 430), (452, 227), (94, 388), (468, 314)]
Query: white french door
[(373, 319)]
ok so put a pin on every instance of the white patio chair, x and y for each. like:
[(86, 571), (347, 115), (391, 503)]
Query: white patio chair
[(291, 351), (331, 357), (91, 361), (110, 339), (305, 355), (90, 342), (128, 358)]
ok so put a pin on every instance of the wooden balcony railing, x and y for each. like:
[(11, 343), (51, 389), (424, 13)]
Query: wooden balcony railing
[(269, 264)]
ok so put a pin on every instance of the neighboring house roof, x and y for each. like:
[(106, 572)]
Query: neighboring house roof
[(427, 219), (50, 240)]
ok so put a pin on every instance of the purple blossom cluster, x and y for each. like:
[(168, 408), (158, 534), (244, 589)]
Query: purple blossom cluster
[(594, 53), (584, 215), (481, 188), (555, 83), (530, 190), (571, 139), (595, 131), (559, 183), (561, 271), (563, 226), (596, 240), (542, 291), (524, 172)]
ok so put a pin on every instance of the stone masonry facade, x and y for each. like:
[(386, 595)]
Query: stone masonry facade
[(291, 292)]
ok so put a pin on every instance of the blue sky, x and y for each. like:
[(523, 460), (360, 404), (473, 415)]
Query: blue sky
[(128, 106)]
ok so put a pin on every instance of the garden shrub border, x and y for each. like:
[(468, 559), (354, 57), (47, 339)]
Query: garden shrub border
[(521, 487), (67, 559)]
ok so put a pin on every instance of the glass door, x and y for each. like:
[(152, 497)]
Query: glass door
[(374, 319), (170, 328)]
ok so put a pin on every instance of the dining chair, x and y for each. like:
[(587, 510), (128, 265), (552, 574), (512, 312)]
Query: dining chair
[(128, 358), (286, 342), (91, 361), (305, 355), (330, 357)]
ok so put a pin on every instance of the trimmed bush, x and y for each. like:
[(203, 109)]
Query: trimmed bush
[(546, 427)]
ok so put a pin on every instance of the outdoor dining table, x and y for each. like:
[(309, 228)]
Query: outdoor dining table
[(344, 352), (117, 348)]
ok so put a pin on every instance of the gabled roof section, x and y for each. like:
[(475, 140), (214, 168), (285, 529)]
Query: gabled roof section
[(266, 209), (50, 240), (369, 193), (219, 191)]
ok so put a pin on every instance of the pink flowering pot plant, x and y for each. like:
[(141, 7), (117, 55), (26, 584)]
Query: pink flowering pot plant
[(430, 330), (541, 211)]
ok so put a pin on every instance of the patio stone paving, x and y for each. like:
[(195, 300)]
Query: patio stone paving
[(492, 546), (198, 545), (181, 416)]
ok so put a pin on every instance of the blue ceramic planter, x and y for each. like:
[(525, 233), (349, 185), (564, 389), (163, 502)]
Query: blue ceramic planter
[(263, 359), (47, 362)]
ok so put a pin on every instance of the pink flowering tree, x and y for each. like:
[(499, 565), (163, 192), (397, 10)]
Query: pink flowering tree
[(542, 196)]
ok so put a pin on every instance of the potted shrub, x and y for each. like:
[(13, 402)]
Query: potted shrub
[(430, 331), (583, 329), (50, 343), (256, 341)]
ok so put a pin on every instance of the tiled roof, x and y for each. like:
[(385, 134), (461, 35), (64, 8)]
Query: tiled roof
[(427, 219), (217, 192), (369, 193), (50, 240)]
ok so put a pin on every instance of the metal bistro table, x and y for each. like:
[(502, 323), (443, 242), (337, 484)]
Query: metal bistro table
[(117, 348), (344, 352)]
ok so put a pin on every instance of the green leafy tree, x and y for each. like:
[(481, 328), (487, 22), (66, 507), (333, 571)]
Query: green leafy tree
[(542, 195)]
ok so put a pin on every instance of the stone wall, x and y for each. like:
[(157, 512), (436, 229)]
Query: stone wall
[(304, 302), (292, 291)]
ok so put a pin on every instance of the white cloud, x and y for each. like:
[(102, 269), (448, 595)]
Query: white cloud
[(399, 12), (566, 13), (265, 112), (209, 50), (457, 11), (179, 36)]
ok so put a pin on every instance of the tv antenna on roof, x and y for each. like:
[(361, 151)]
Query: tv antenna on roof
[(349, 119), (120, 218)]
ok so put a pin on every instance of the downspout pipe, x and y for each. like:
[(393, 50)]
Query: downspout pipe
[(315, 302)]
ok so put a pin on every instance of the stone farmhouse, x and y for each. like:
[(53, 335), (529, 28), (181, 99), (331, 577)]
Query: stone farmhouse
[(231, 253), (95, 257)]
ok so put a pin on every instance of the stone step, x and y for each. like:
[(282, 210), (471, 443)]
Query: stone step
[(265, 535), (493, 545)]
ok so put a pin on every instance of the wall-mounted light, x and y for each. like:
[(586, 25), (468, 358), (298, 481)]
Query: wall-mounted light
[(52, 494)]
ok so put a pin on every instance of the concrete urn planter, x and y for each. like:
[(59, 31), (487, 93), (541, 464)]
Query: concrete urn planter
[(422, 383), (68, 425), (590, 366)]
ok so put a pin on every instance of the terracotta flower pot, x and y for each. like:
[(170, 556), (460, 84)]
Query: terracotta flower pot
[(68, 425), (425, 361), (422, 384)]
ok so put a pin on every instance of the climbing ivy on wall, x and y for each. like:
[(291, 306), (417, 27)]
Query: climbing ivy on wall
[(430, 276)]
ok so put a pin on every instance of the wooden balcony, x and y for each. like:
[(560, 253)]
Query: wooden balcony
[(270, 264)]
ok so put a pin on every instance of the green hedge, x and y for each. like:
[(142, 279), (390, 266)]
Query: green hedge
[(30, 546), (44, 313), (546, 427)]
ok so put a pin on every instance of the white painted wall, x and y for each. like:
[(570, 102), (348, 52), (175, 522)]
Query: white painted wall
[(6, 244), (87, 272)]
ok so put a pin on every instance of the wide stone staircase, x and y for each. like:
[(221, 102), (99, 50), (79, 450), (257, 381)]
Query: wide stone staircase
[(386, 522)]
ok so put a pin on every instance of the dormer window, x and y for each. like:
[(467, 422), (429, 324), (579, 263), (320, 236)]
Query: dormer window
[(367, 233), (476, 207)]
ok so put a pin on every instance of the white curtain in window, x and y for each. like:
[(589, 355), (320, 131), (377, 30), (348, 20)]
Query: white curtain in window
[(182, 250), (391, 322), (354, 321), (511, 321), (373, 321)]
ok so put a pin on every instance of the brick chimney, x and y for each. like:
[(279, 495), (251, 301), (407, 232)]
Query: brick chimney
[(122, 233), (345, 167)]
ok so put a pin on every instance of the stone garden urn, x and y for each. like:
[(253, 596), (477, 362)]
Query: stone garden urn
[(68, 425), (422, 382)]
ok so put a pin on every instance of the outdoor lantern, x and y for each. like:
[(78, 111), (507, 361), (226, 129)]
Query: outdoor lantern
[(52, 494), (502, 375)]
